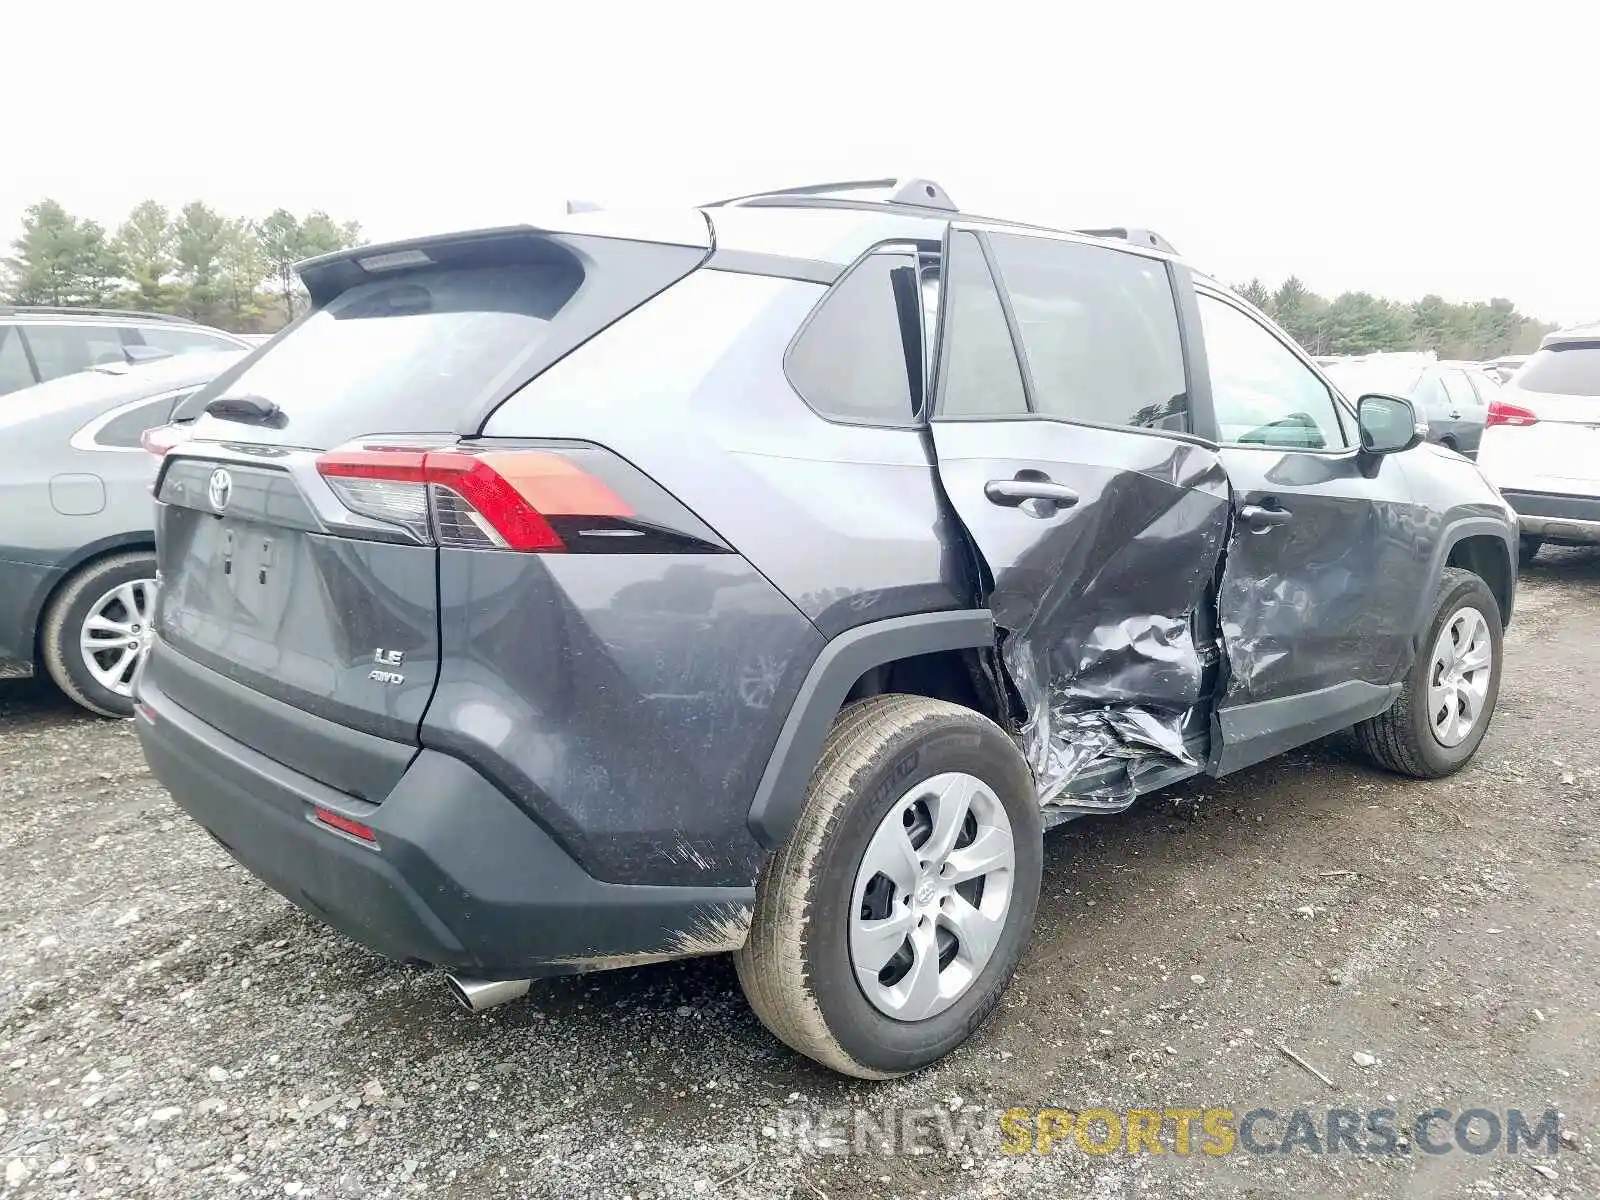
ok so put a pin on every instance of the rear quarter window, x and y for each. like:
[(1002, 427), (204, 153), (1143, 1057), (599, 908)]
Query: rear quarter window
[(854, 358), (123, 430)]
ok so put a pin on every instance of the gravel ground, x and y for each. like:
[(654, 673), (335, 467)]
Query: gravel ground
[(170, 1028)]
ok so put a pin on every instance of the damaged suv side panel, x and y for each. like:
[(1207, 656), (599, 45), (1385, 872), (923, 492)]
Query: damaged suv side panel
[(1100, 521)]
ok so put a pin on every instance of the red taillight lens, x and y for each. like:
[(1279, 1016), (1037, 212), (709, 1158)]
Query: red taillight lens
[(164, 437), (345, 824), (463, 496), (1501, 413)]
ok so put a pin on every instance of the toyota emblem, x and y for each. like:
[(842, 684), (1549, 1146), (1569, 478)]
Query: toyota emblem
[(220, 488)]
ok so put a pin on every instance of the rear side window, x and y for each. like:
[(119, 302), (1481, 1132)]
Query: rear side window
[(66, 349), (1569, 370), (123, 430), (853, 360), (1488, 389), (1429, 394), (978, 371), (1099, 329), (15, 372), (1461, 394)]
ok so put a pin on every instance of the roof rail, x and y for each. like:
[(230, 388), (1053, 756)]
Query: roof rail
[(921, 193), (1139, 237), (65, 310)]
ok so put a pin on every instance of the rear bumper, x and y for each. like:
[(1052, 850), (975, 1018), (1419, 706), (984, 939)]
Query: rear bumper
[(459, 876), (1557, 518)]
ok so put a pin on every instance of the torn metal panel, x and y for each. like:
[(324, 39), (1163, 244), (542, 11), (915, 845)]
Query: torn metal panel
[(1097, 596), (1100, 679)]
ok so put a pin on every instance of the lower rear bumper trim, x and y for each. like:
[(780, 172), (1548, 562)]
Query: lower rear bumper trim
[(461, 878)]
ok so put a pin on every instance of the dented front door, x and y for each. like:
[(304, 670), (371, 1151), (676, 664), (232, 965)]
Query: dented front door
[(1061, 431), (1319, 590)]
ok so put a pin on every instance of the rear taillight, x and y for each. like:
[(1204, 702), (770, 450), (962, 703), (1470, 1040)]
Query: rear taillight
[(541, 500), (164, 437), (1501, 413)]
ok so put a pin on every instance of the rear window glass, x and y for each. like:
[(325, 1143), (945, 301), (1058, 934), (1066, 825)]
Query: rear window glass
[(851, 361), (1563, 370), (408, 354)]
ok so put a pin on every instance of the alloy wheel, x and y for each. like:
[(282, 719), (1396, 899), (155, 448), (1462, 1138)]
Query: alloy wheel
[(116, 634)]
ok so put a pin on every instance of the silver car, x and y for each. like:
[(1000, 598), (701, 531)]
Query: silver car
[(40, 343), (77, 545)]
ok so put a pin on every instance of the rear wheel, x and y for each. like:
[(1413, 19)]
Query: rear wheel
[(97, 630), (1528, 548), (888, 926), (1444, 709)]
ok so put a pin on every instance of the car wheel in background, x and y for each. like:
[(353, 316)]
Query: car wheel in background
[(887, 927), (1445, 707), (97, 630), (1528, 548)]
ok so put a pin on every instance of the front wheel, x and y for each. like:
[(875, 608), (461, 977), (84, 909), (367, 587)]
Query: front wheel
[(1444, 709), (887, 927)]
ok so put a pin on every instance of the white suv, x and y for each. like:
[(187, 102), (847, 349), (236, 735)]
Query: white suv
[(1541, 441), (40, 344)]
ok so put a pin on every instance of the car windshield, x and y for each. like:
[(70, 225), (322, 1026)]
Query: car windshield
[(1356, 379), (1563, 370)]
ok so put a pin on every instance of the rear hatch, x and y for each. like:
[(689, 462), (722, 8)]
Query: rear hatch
[(1543, 430), (300, 520)]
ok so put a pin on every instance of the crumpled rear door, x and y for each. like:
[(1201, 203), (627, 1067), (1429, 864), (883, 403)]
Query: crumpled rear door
[(1099, 541)]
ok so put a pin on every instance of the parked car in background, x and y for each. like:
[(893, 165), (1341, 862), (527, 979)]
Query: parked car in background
[(1542, 444), (554, 599), (77, 541), (38, 344), (1507, 365), (1452, 396)]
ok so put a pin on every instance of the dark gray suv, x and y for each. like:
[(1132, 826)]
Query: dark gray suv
[(766, 578)]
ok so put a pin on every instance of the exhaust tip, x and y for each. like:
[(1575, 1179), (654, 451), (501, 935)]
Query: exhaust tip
[(476, 995)]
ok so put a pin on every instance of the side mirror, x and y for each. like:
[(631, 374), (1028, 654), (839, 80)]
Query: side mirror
[(1388, 424)]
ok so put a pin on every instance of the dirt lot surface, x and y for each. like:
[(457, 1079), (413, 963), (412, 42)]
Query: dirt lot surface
[(168, 1027)]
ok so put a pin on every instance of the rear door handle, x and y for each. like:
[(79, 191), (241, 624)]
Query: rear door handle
[(1261, 518), (1014, 493)]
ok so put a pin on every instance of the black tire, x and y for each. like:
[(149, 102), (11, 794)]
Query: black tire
[(1528, 547), (795, 968), (1402, 739), (63, 622)]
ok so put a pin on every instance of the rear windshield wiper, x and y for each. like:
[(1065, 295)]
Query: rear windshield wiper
[(257, 410)]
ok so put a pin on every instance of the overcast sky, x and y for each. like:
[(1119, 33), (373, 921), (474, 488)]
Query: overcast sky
[(1360, 145)]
